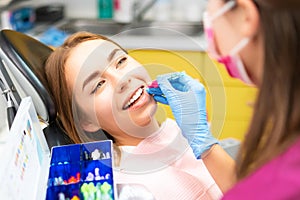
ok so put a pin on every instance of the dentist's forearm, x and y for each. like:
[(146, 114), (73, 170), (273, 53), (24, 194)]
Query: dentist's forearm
[(221, 166)]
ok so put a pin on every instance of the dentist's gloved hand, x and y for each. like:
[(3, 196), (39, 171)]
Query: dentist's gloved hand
[(187, 99)]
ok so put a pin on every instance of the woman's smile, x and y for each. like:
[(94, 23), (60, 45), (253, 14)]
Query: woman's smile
[(138, 98)]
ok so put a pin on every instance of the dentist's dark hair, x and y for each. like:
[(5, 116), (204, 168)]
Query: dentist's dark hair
[(276, 117)]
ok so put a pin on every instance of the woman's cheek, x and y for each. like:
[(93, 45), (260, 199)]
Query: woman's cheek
[(107, 100), (142, 73)]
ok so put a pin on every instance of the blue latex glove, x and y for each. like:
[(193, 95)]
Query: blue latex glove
[(156, 92), (187, 99)]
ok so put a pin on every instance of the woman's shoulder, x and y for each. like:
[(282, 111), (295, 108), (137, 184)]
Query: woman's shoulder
[(277, 179), (170, 122)]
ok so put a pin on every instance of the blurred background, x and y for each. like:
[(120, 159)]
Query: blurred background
[(163, 35)]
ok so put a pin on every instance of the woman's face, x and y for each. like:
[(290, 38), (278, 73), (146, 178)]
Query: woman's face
[(225, 31), (233, 26), (109, 88)]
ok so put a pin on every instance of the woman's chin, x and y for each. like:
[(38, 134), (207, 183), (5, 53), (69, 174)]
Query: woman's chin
[(145, 116)]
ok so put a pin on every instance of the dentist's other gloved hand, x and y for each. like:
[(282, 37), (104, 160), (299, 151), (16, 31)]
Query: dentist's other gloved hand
[(187, 99)]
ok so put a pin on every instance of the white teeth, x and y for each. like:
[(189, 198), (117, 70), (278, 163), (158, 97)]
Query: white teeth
[(134, 97)]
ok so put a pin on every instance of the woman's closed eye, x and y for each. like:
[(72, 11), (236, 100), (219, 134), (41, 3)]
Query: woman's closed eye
[(98, 86)]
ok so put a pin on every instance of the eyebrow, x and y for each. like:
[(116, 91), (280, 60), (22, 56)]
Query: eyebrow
[(112, 54), (90, 78)]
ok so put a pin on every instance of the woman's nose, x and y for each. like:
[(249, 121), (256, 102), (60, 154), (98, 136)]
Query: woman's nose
[(119, 80), (123, 83)]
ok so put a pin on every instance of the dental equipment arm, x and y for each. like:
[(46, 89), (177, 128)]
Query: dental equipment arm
[(11, 110)]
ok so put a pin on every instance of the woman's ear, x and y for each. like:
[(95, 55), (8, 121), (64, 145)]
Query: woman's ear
[(250, 18), (88, 126)]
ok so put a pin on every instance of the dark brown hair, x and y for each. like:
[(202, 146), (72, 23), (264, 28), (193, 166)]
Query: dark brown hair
[(61, 92), (275, 123)]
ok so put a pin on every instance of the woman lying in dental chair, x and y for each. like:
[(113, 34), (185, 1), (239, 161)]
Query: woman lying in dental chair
[(96, 86)]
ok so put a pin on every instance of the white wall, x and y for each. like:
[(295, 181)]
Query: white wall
[(75, 8), (181, 9)]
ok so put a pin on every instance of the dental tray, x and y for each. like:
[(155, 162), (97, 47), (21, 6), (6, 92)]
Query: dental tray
[(81, 171)]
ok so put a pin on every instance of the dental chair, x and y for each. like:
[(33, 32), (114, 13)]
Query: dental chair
[(22, 74)]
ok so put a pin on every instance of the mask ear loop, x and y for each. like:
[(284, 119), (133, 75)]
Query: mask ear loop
[(239, 46), (228, 6)]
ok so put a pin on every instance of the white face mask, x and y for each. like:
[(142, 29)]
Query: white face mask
[(232, 61)]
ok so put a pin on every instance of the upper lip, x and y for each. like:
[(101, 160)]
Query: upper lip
[(130, 96)]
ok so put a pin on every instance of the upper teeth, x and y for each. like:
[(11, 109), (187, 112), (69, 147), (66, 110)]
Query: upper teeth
[(137, 94)]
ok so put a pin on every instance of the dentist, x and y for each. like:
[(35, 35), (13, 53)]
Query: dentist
[(258, 41)]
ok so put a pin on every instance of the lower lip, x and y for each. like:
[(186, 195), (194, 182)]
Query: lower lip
[(140, 102)]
